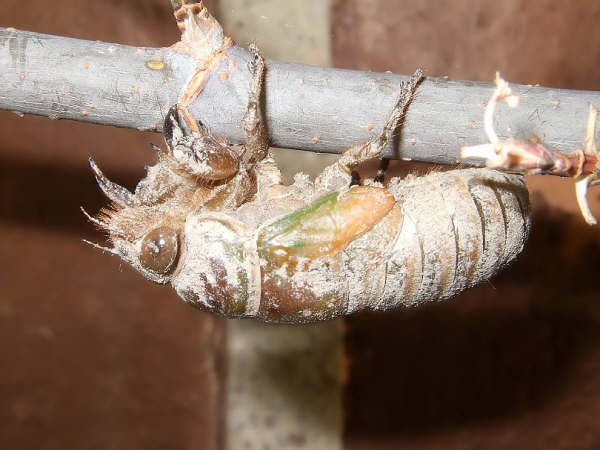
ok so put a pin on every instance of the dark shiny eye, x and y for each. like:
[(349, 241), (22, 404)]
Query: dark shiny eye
[(159, 250)]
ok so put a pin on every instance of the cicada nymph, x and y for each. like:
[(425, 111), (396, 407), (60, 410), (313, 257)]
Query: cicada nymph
[(216, 222)]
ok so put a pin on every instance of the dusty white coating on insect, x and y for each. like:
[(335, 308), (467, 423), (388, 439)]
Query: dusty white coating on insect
[(366, 282), (448, 231), (217, 250), (482, 213), (318, 277)]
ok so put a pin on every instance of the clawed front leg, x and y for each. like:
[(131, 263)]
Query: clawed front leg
[(257, 140), (232, 173), (198, 152), (339, 175)]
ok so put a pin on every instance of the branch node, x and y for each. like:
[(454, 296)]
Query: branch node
[(533, 157)]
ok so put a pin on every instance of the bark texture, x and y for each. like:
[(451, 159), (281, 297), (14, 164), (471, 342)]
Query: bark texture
[(306, 107)]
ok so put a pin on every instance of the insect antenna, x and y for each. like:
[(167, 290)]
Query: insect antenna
[(103, 225), (100, 247)]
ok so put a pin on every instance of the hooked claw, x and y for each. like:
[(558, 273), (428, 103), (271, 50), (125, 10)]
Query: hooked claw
[(179, 124), (196, 150), (113, 191), (174, 128)]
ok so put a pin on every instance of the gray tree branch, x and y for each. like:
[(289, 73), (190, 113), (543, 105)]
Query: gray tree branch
[(310, 108)]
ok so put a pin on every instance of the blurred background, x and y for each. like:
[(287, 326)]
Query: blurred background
[(94, 356)]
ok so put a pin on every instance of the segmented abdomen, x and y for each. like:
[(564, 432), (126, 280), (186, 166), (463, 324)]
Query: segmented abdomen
[(460, 228)]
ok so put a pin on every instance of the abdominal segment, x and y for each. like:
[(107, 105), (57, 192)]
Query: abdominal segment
[(461, 227)]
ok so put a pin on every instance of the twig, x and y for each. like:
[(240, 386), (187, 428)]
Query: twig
[(309, 108), (533, 157)]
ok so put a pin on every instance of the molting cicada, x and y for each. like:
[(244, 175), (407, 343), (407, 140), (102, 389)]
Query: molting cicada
[(216, 222)]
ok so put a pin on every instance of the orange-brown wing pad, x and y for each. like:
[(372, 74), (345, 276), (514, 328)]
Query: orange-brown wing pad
[(326, 226)]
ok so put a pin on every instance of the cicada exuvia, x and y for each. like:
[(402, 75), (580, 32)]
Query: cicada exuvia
[(216, 221)]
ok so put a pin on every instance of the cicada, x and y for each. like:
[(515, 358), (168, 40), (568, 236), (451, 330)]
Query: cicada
[(216, 221)]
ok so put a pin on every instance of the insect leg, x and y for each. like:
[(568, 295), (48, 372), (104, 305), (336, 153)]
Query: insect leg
[(338, 175), (198, 152), (174, 128), (374, 147), (257, 140)]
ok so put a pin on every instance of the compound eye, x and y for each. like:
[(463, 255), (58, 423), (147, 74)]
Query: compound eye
[(159, 250)]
